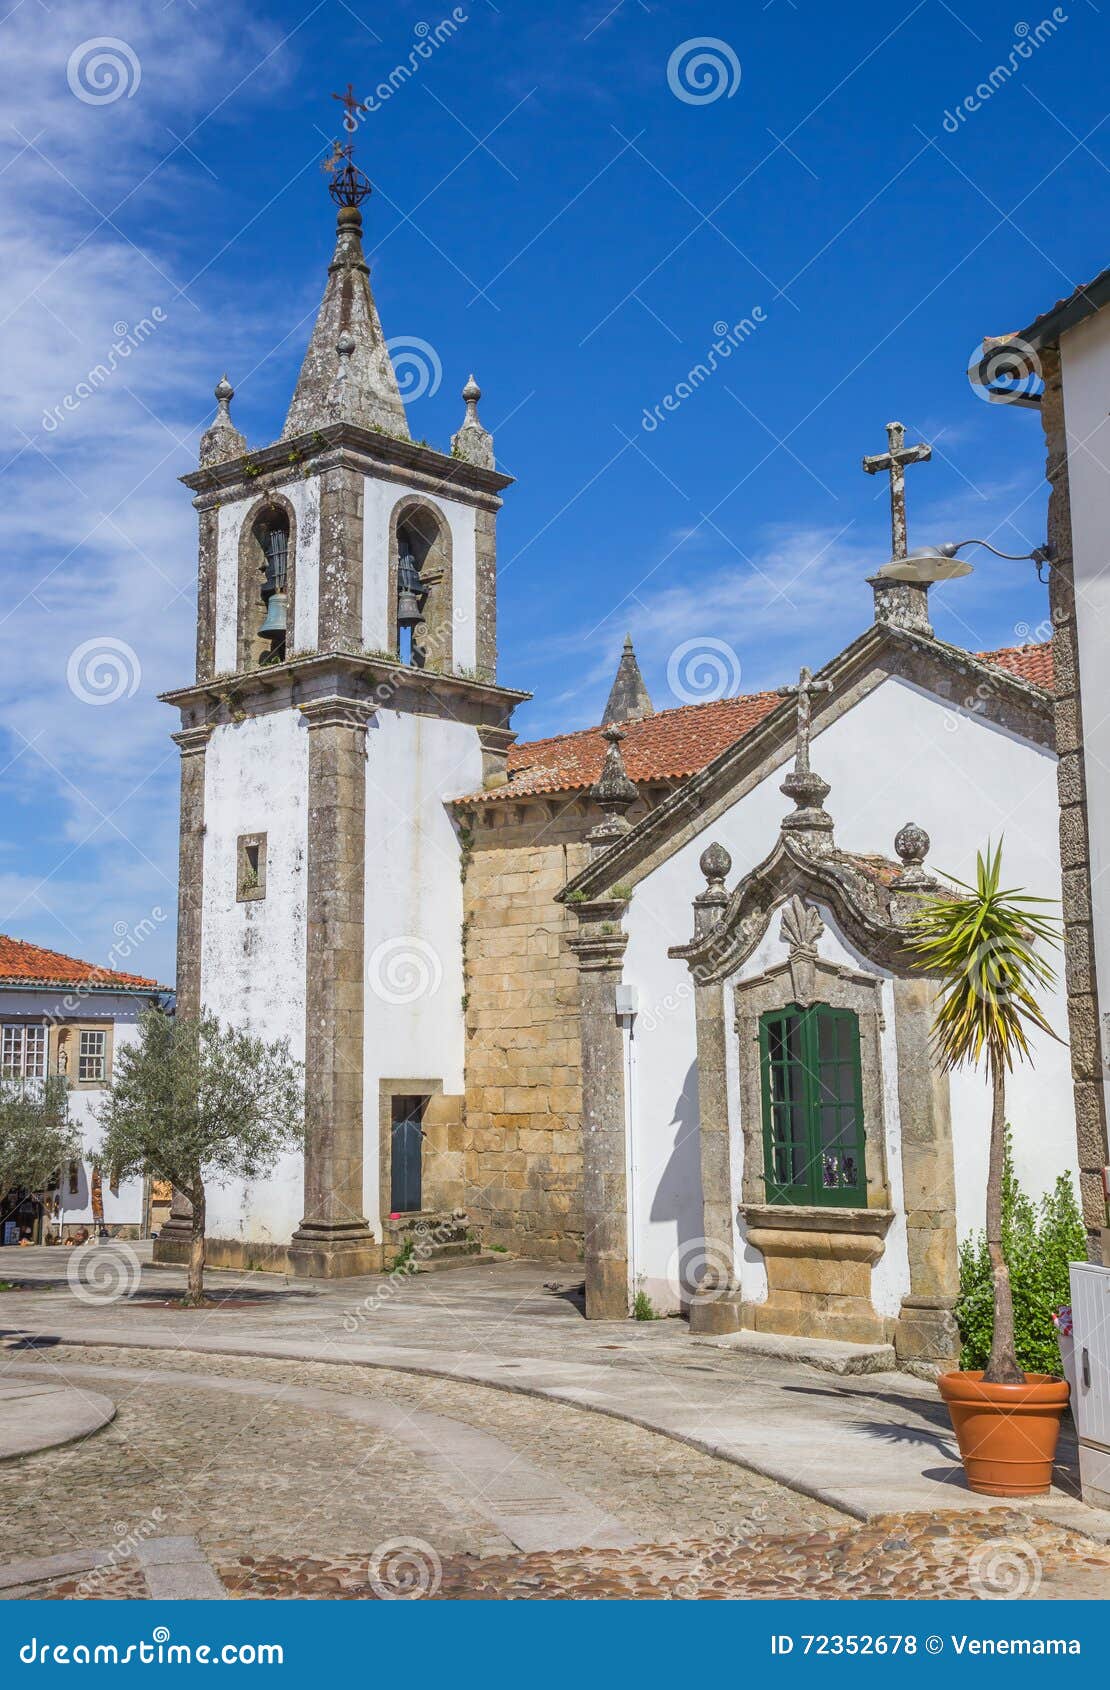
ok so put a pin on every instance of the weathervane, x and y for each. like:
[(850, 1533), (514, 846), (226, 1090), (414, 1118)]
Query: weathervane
[(349, 185)]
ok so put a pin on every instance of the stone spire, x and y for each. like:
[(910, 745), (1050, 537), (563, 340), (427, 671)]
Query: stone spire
[(629, 700), (346, 375), (473, 442), (222, 439), (614, 793)]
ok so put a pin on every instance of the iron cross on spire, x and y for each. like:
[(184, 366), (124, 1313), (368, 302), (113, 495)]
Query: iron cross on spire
[(803, 692), (894, 460), (353, 104)]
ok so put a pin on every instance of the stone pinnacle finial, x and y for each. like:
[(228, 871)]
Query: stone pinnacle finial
[(629, 699), (614, 793), (912, 845), (221, 441), (473, 443)]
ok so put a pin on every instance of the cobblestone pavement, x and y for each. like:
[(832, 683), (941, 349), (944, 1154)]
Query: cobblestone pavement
[(287, 1479), (870, 1445), (945, 1556), (290, 1496)]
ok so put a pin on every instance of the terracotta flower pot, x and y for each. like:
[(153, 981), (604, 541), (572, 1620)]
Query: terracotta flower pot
[(1007, 1433)]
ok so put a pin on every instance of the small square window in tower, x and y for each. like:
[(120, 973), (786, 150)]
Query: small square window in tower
[(406, 1155), (250, 867)]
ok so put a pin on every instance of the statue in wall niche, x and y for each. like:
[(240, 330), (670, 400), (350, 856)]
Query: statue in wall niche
[(801, 928)]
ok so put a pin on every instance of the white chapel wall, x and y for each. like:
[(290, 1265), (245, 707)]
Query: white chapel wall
[(898, 755)]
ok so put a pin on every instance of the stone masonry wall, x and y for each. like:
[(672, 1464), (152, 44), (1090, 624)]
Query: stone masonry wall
[(523, 1141), (1075, 851)]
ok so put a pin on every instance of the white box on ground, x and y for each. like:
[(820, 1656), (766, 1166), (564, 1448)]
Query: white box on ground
[(1090, 1311)]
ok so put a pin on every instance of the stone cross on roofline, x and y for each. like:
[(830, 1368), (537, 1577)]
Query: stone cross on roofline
[(808, 821), (803, 692), (894, 461)]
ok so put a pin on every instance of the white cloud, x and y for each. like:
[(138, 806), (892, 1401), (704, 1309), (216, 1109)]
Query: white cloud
[(100, 539)]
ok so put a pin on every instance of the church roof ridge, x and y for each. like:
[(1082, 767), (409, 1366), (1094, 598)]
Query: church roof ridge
[(683, 740)]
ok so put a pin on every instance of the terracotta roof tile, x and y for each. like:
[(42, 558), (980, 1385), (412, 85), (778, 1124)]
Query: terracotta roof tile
[(675, 743), (31, 965), (1030, 662)]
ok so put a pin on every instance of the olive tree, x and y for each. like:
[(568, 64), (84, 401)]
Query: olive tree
[(37, 1137), (198, 1103)]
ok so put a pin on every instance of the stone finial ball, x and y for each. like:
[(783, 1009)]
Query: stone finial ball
[(472, 391), (912, 843), (715, 862), (224, 390)]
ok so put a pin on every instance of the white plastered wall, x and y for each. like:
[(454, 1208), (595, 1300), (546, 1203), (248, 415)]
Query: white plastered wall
[(414, 1019), (899, 755), (253, 952)]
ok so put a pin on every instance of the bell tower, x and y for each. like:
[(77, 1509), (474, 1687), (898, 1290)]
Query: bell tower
[(345, 692)]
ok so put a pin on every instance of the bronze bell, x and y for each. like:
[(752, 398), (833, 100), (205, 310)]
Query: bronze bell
[(275, 620), (410, 591)]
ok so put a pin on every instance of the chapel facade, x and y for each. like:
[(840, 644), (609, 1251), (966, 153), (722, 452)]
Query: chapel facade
[(636, 996)]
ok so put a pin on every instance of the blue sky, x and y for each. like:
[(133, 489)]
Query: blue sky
[(558, 213)]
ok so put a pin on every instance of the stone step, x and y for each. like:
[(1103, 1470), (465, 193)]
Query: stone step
[(479, 1258), (831, 1355)]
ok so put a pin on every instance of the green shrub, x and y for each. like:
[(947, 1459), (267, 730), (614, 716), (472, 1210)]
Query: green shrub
[(1038, 1240), (643, 1308)]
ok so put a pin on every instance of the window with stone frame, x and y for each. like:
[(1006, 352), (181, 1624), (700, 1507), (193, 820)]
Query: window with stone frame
[(813, 1128), (23, 1050), (250, 867), (92, 1056)]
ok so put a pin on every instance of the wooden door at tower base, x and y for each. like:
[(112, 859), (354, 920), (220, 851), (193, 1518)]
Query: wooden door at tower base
[(406, 1155)]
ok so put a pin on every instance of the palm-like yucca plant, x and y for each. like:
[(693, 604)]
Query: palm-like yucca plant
[(982, 943)]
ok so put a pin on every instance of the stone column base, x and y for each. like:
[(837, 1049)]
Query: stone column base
[(172, 1246), (607, 1289), (319, 1251), (716, 1312), (926, 1330)]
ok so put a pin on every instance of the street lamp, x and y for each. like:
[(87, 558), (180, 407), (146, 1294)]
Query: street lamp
[(928, 564)]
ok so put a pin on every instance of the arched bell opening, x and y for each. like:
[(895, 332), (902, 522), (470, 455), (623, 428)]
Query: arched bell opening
[(266, 582), (420, 587)]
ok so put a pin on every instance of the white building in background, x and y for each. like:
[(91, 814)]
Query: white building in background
[(62, 1016), (1068, 349)]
